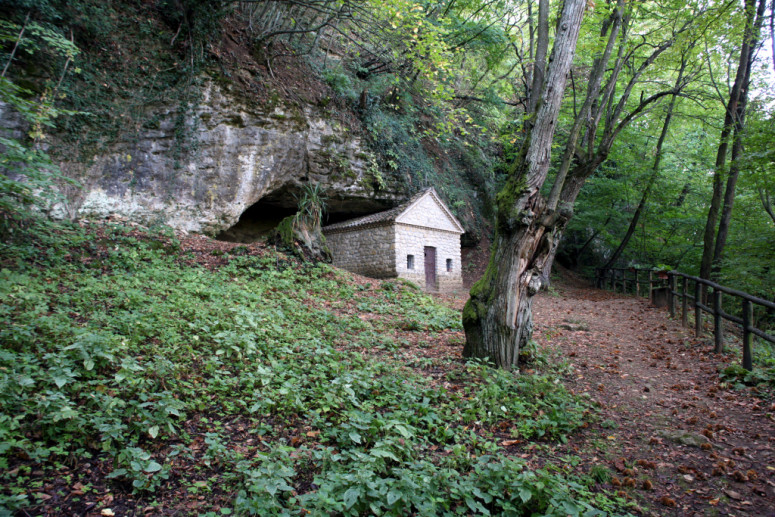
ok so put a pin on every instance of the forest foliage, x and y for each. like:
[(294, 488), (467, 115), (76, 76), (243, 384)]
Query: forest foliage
[(158, 349), (440, 91)]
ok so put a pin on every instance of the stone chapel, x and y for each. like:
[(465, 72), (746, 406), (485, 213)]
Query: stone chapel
[(418, 240)]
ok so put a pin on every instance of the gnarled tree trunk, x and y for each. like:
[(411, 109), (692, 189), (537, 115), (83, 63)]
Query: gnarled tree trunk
[(498, 317)]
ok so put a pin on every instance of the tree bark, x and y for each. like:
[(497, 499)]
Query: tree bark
[(542, 48), (498, 316)]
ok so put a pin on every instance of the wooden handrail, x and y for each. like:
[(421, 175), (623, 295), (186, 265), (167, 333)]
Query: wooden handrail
[(668, 280), (728, 290)]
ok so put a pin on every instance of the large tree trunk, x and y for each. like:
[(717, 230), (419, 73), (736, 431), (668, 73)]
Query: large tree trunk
[(498, 317)]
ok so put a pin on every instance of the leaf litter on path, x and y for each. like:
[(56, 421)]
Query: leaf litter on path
[(662, 405)]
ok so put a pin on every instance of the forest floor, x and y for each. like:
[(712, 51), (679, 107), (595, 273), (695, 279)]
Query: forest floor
[(671, 434), (661, 428)]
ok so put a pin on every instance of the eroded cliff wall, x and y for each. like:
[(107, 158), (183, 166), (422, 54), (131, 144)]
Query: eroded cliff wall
[(239, 153)]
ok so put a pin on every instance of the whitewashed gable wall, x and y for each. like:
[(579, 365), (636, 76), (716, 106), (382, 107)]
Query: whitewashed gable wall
[(426, 212)]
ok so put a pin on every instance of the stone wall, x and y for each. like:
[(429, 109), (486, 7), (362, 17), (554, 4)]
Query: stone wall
[(411, 240), (365, 251)]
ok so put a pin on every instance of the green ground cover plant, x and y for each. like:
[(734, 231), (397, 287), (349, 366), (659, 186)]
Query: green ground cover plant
[(131, 367)]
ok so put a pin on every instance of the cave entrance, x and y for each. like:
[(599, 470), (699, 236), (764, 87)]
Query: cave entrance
[(255, 223), (261, 218)]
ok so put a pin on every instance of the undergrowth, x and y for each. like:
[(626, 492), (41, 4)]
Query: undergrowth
[(129, 368)]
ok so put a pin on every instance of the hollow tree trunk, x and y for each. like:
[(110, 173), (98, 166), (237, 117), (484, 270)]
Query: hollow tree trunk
[(497, 330), (498, 316)]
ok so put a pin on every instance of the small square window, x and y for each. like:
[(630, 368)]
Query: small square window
[(449, 264), (410, 262)]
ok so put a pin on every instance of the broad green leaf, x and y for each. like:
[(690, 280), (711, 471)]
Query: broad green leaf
[(351, 496), (153, 467)]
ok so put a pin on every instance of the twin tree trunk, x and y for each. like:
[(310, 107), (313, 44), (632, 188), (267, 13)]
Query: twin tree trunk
[(498, 316), (734, 116)]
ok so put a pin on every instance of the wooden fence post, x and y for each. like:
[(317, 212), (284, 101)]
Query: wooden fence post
[(624, 281), (684, 301), (651, 287), (718, 321), (670, 297), (697, 309), (747, 335), (637, 283)]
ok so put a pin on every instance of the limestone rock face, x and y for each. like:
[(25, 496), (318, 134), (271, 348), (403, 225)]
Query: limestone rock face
[(236, 153)]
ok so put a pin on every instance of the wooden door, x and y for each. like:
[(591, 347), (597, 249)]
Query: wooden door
[(430, 268)]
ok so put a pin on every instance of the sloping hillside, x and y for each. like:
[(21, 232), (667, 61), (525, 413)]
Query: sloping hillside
[(143, 373)]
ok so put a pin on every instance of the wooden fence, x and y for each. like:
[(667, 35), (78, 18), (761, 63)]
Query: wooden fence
[(706, 297)]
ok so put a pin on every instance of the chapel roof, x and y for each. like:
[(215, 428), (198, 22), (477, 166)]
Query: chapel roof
[(390, 216)]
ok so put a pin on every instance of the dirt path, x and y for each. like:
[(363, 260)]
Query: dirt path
[(677, 440)]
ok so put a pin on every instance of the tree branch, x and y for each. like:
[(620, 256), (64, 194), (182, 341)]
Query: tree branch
[(767, 203)]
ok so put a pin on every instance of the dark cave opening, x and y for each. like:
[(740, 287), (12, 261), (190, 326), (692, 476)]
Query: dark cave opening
[(255, 223), (259, 220)]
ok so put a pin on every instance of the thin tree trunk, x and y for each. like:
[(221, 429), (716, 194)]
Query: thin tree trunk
[(772, 32), (682, 196), (597, 232), (16, 45), (737, 146), (764, 196), (654, 173), (531, 40), (498, 316), (542, 48), (721, 155)]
